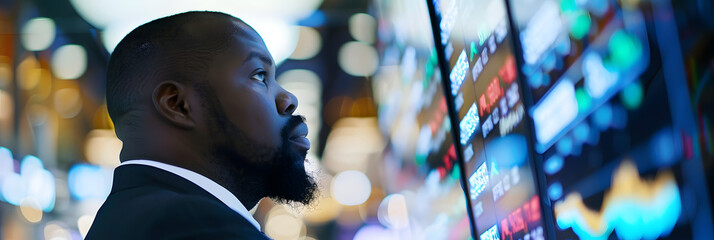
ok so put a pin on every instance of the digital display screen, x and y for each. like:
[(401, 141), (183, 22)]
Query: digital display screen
[(594, 141), (486, 92), (420, 164), (614, 162)]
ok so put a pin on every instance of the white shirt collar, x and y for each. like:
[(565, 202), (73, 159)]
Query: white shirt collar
[(207, 184)]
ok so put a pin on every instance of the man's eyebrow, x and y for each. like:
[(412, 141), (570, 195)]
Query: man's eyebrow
[(260, 56)]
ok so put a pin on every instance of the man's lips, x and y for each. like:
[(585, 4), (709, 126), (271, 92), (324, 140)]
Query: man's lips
[(298, 137)]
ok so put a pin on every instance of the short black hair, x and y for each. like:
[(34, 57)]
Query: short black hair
[(173, 47)]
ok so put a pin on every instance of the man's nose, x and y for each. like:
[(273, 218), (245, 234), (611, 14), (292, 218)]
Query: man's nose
[(286, 102)]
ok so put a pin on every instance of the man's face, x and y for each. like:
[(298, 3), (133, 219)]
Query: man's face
[(250, 121)]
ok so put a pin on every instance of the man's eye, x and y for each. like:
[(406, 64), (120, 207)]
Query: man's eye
[(259, 76)]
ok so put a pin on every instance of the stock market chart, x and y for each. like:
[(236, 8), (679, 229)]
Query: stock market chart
[(486, 93), (614, 159), (573, 119)]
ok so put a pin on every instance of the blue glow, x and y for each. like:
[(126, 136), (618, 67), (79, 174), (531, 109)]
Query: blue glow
[(30, 164), (555, 191), (478, 181), (490, 234), (555, 111), (603, 117), (32, 182), (549, 62), (562, 46), (541, 32), (598, 79), (87, 181), (316, 19), (469, 124), (581, 132), (6, 161), (458, 73), (553, 165), (7, 166), (665, 147), (507, 151), (633, 208), (565, 146), (535, 79), (528, 70), (599, 8), (631, 218), (41, 187), (14, 189)]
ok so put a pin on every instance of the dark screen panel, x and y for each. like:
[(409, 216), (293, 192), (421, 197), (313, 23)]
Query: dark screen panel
[(486, 93), (421, 168)]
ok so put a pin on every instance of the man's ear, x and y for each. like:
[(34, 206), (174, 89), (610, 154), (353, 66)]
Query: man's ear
[(171, 101)]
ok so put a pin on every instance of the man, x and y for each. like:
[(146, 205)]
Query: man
[(207, 132)]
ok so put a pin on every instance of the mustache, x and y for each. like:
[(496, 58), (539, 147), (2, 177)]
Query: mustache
[(293, 122)]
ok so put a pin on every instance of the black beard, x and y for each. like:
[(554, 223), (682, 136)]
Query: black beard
[(253, 171), (287, 180)]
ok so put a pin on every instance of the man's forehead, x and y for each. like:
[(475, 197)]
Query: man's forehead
[(246, 43)]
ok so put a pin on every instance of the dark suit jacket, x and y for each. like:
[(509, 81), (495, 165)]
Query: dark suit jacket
[(150, 203)]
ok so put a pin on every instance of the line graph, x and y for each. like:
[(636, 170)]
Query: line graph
[(634, 208)]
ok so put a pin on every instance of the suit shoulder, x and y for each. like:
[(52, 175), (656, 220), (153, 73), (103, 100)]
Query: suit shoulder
[(161, 214), (199, 217)]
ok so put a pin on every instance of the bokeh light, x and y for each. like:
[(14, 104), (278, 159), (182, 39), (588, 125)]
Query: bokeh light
[(351, 188), (363, 27), (84, 223), (280, 37), (68, 102), (30, 210), (102, 148), (6, 106), (274, 21), (358, 59), (326, 209), (393, 212), (28, 73), (283, 225), (87, 182), (368, 78), (625, 48), (5, 72), (632, 95), (37, 34), (308, 45), (69, 61), (55, 231), (351, 144), (581, 24)]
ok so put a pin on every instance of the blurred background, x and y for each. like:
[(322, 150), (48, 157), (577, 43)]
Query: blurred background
[(370, 79)]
